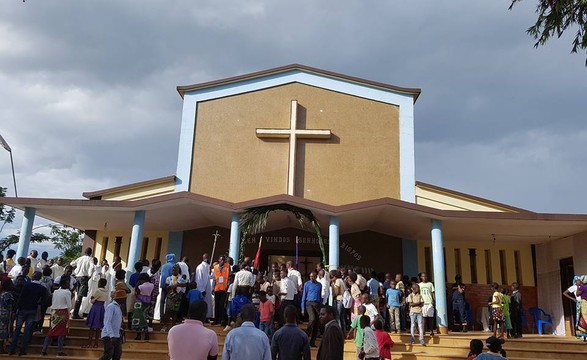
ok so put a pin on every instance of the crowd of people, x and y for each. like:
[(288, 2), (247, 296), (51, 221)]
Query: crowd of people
[(245, 301)]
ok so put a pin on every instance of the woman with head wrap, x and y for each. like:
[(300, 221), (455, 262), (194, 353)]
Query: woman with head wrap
[(571, 293), (582, 317)]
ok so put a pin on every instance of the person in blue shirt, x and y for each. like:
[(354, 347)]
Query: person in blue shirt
[(111, 332), (393, 296), (311, 300), (194, 294), (134, 278), (247, 342), (165, 273)]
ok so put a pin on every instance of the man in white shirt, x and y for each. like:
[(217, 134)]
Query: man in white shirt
[(17, 269), (371, 309), (294, 275), (34, 259), (244, 280), (57, 268), (43, 261), (202, 279), (325, 286), (84, 269), (287, 292)]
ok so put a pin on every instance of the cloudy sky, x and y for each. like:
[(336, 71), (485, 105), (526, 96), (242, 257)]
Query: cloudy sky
[(88, 99)]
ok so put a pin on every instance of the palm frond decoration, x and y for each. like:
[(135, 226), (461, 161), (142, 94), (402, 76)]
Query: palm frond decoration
[(254, 221)]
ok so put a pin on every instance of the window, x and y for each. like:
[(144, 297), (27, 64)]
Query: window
[(158, 248), (104, 250), (458, 265), (473, 261), (518, 265), (428, 263), (488, 268), (144, 248), (117, 244), (503, 267)]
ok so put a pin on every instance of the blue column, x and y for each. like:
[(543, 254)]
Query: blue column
[(234, 247), (410, 256), (439, 282), (136, 240), (333, 244), (175, 244), (26, 231)]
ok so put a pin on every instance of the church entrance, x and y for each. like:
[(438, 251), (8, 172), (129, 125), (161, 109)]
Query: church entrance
[(307, 260), (306, 264)]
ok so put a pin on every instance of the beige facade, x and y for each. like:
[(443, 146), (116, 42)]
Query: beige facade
[(360, 162)]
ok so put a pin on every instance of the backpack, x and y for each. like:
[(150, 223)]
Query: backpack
[(347, 299)]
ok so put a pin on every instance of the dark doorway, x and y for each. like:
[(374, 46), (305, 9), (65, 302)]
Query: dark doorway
[(567, 271), (307, 259)]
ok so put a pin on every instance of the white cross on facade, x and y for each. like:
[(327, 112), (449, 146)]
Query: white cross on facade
[(293, 133)]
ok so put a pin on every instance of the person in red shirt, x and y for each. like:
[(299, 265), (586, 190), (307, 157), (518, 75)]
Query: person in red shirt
[(383, 340), (266, 311)]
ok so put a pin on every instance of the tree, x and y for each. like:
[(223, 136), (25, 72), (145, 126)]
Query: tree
[(68, 240), (555, 17), (13, 240), (6, 215), (65, 239)]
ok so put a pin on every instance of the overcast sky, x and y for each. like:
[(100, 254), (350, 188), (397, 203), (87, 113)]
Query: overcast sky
[(88, 99)]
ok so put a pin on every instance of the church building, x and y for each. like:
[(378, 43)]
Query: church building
[(343, 148)]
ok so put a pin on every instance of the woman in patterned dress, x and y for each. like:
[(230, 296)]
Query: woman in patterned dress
[(155, 273), (6, 302)]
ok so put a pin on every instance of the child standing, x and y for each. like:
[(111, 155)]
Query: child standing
[(415, 302), (497, 310), (121, 290), (384, 341), (95, 319), (458, 308), (356, 329), (194, 294), (393, 296), (143, 291), (266, 311), (506, 312)]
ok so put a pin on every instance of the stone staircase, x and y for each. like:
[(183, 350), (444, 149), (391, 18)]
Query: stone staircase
[(453, 346)]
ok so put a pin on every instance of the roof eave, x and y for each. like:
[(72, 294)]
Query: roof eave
[(414, 92)]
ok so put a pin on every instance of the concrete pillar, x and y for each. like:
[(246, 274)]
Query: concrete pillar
[(333, 244), (439, 282), (410, 257), (26, 231), (136, 240), (234, 247), (175, 244)]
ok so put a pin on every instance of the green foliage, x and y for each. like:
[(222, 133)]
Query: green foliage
[(68, 240), (13, 240), (6, 215), (555, 17), (254, 221)]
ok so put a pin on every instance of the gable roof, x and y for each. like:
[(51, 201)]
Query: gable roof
[(97, 195), (471, 198), (414, 92)]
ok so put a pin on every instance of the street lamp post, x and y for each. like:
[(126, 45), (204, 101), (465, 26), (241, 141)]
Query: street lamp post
[(5, 146)]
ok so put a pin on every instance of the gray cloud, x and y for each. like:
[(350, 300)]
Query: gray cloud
[(88, 100)]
